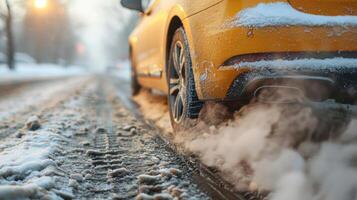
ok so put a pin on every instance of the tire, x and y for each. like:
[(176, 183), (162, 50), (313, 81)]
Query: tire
[(183, 102), (134, 83)]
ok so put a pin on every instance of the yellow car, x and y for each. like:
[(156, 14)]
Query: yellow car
[(228, 50)]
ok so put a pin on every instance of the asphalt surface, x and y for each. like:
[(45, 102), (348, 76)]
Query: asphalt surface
[(105, 151)]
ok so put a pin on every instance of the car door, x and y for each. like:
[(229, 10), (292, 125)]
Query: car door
[(149, 36), (152, 32)]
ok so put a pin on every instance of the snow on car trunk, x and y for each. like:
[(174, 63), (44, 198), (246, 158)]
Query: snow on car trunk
[(328, 64), (283, 14)]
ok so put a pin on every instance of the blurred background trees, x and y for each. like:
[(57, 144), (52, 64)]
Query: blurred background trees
[(89, 33), (7, 18), (47, 34)]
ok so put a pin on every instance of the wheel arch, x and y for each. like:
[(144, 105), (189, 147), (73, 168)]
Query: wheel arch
[(131, 56), (132, 42), (177, 21), (130, 51)]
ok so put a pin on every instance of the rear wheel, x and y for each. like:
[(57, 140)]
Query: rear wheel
[(182, 99)]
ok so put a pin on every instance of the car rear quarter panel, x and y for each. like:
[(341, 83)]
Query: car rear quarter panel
[(326, 7), (214, 43)]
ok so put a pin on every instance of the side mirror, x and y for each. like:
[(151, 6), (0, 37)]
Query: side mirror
[(133, 5)]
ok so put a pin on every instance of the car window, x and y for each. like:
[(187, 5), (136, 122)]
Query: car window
[(147, 3)]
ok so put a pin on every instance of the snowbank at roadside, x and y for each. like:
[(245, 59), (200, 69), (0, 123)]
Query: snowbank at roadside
[(123, 70), (283, 14), (38, 71)]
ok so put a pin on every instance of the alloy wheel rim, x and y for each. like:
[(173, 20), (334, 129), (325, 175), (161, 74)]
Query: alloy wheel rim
[(177, 82)]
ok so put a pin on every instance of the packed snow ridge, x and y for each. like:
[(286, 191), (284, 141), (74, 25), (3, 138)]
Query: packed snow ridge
[(330, 64), (283, 14), (26, 168)]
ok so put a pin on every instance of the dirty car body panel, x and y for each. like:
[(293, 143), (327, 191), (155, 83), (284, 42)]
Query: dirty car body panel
[(219, 43)]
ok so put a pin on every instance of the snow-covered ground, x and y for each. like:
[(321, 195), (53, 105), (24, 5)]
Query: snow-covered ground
[(32, 143), (26, 167), (83, 144), (29, 157), (26, 71), (30, 96), (122, 70), (283, 14)]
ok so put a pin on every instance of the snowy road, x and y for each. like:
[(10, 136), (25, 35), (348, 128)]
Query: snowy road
[(85, 138), (75, 138)]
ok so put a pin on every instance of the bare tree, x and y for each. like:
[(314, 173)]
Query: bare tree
[(47, 34), (8, 18)]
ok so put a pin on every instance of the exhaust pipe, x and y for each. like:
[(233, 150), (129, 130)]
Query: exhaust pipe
[(279, 94)]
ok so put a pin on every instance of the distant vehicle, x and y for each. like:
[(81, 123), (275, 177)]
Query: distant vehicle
[(229, 50)]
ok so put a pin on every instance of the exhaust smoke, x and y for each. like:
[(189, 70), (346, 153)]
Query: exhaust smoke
[(288, 150), (280, 148)]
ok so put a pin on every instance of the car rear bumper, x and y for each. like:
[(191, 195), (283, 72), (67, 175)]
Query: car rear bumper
[(319, 76), (268, 41)]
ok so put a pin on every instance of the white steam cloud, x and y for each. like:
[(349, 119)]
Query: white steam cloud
[(282, 149), (276, 149)]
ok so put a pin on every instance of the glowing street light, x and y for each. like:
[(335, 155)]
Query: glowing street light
[(40, 4)]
